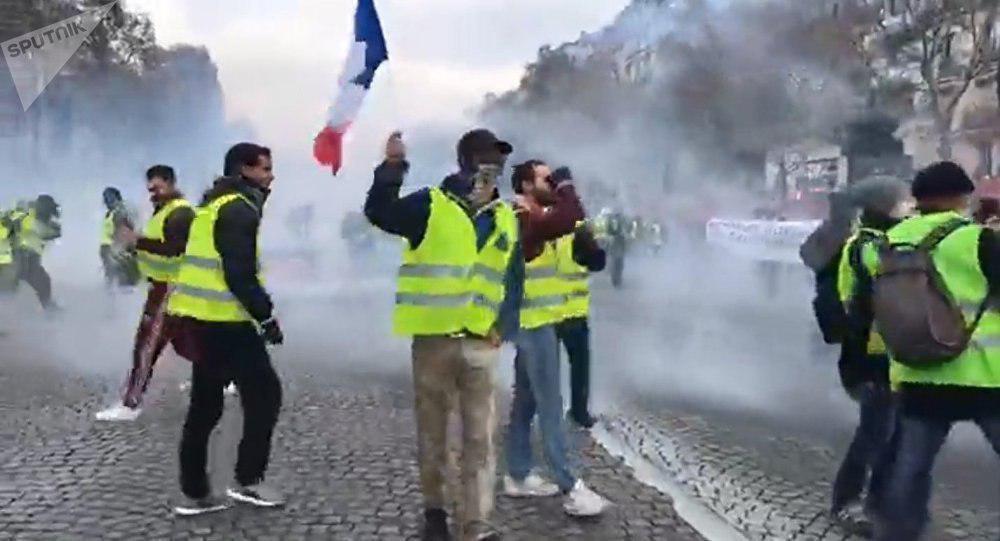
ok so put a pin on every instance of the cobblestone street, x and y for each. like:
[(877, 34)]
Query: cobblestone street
[(344, 454)]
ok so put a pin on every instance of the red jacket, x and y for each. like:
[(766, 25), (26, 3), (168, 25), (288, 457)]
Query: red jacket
[(543, 224)]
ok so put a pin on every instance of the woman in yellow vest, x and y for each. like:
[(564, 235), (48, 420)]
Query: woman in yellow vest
[(159, 251), (460, 240)]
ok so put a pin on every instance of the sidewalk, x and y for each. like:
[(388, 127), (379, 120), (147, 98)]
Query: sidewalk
[(770, 487)]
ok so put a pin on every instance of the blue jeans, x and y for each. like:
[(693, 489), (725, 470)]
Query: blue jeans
[(869, 454), (908, 489), (536, 390)]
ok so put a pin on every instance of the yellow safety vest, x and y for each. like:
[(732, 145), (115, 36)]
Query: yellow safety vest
[(847, 279), (490, 270), (32, 233), (200, 289), (157, 267), (956, 260), (575, 278), (108, 229), (445, 286), (6, 250), (544, 301)]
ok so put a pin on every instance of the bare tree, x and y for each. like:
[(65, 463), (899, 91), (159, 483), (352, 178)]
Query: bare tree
[(929, 34), (124, 39)]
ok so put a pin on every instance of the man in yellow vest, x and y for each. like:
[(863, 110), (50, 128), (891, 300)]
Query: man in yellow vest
[(34, 229), (460, 244), (222, 319), (546, 210), (932, 398), (117, 256), (159, 247), (578, 255)]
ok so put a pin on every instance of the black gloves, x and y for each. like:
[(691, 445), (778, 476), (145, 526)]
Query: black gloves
[(271, 332)]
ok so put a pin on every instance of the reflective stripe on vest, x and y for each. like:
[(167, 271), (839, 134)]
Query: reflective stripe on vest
[(459, 300), (957, 261), (544, 292), (154, 266), (433, 271), (200, 289), (444, 285), (576, 279)]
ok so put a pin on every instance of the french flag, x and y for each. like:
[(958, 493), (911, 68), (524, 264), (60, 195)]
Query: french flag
[(368, 51)]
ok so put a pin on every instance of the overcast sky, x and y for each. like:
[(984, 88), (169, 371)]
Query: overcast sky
[(279, 59)]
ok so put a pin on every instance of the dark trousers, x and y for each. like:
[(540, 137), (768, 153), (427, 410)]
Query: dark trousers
[(575, 336), (237, 353), (30, 269), (908, 488), (150, 340), (869, 454), (617, 269)]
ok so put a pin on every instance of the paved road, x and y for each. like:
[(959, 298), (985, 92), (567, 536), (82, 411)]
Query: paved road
[(344, 448), (691, 350), (734, 378)]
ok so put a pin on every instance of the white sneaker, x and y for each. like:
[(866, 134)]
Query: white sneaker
[(583, 502), (230, 390), (260, 495), (118, 412), (533, 486)]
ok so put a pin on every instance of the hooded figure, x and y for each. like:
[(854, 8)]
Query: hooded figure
[(864, 364)]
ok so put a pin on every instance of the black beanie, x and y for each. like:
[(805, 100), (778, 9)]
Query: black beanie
[(941, 179)]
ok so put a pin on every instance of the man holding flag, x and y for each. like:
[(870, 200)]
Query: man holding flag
[(461, 251)]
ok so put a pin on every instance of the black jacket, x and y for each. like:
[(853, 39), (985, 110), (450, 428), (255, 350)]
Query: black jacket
[(403, 216), (586, 251), (236, 241)]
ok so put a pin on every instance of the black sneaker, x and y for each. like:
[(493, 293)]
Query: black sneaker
[(259, 495), (436, 526), (192, 507)]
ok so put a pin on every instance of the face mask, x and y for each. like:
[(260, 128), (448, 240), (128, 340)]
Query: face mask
[(484, 182)]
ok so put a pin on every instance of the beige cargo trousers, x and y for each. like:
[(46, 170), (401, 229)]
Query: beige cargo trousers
[(457, 374)]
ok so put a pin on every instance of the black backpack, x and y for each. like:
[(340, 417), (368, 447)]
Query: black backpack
[(918, 319)]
